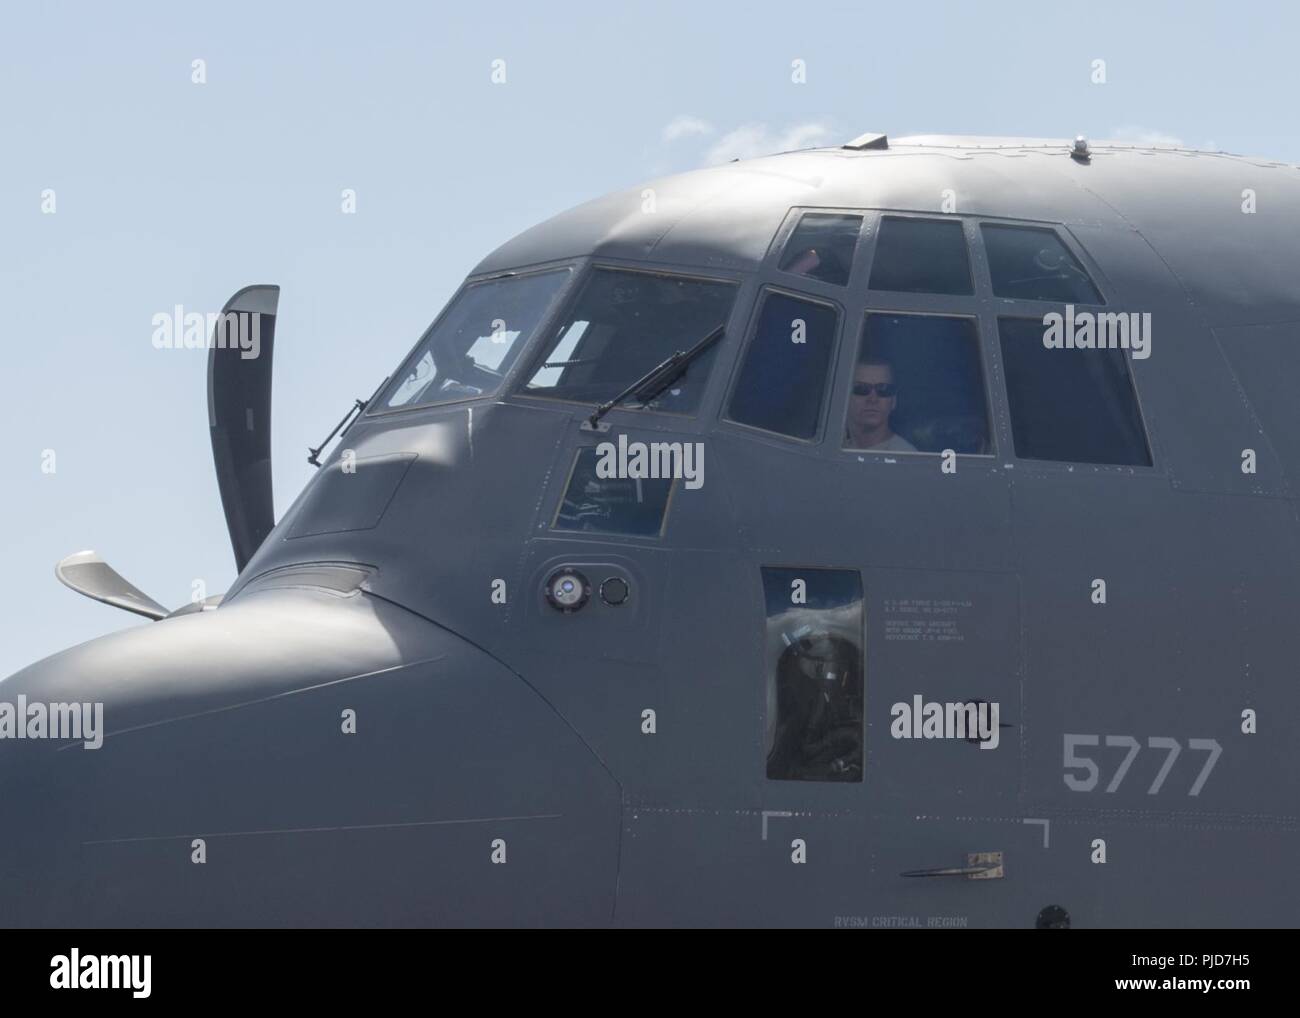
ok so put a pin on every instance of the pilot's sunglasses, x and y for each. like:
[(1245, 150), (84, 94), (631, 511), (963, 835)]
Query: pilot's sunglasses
[(884, 389)]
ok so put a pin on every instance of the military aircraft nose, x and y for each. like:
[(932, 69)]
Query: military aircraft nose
[(250, 765), (267, 643), (72, 727)]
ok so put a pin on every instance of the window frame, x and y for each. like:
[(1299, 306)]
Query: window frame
[(605, 535), (517, 390), (993, 308), (771, 263), (1063, 237), (961, 220), (1071, 466), (751, 332), (985, 382), (857, 299), (558, 299)]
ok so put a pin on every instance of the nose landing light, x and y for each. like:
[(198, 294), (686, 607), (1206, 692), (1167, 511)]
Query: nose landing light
[(567, 590)]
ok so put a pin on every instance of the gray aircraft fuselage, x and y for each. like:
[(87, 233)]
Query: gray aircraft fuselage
[(386, 722)]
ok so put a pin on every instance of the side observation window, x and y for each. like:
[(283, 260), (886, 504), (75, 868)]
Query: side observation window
[(814, 727), (1031, 263), (782, 379), (821, 247), (471, 346), (612, 505), (918, 386), (621, 325), (1074, 405), (921, 256)]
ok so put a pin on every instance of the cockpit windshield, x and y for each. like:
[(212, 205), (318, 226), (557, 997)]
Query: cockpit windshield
[(622, 325), (472, 345)]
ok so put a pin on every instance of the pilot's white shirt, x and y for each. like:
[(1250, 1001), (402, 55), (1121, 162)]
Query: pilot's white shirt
[(895, 443)]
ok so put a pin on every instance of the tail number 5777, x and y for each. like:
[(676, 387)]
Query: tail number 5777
[(1076, 759)]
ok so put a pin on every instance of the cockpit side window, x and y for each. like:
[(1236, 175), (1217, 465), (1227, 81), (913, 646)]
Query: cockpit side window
[(918, 386), (1031, 263), (603, 502), (621, 325), (782, 380), (472, 345), (1072, 405), (921, 256), (821, 247)]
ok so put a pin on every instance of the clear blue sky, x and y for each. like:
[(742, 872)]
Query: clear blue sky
[(172, 193)]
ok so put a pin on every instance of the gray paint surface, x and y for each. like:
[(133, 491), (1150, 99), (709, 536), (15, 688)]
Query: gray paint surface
[(479, 721)]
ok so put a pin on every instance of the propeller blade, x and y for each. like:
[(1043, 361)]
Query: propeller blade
[(87, 573), (239, 415)]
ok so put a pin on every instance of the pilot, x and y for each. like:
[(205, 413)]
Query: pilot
[(873, 401)]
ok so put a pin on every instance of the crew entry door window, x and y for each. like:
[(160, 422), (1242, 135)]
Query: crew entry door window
[(815, 686)]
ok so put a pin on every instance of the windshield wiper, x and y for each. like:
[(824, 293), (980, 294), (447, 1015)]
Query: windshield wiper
[(358, 408), (658, 378)]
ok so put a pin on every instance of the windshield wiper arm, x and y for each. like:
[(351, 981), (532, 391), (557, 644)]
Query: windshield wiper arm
[(358, 408), (658, 378)]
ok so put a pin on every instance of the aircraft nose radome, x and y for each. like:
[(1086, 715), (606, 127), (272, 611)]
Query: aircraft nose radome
[(294, 757), (263, 644), (60, 717)]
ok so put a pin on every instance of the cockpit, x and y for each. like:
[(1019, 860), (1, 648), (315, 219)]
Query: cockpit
[(882, 318)]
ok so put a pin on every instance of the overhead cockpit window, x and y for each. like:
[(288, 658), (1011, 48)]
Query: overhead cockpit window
[(1031, 263), (624, 324), (782, 379), (473, 343), (921, 256), (822, 246), (612, 505), (814, 674), (918, 386), (1074, 405)]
